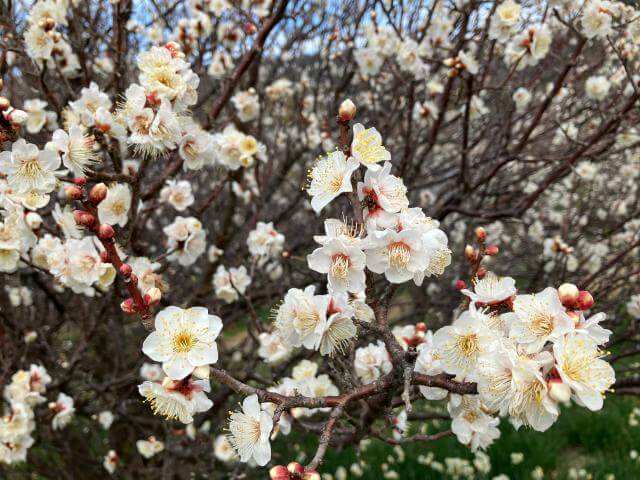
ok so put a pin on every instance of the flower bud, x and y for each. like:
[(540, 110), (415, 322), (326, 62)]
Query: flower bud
[(128, 306), (98, 193), (311, 475), (295, 467), (279, 472), (470, 253), (104, 257), (421, 327), (33, 220), (585, 300), (481, 235), (125, 270), (73, 192), (461, 284), (17, 117), (492, 250), (80, 181), (152, 296), (347, 111), (106, 232), (4, 104), (83, 218), (30, 337), (568, 294), (559, 391), (250, 28)]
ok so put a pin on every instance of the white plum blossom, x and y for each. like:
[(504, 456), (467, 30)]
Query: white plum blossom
[(330, 177), (250, 430)]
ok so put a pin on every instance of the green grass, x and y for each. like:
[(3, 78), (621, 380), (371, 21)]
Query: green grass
[(599, 442)]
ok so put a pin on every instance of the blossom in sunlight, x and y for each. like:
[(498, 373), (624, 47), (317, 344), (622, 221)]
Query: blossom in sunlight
[(63, 410), (461, 344), (471, 424), (344, 265), (382, 195), (114, 209), (579, 364), (339, 329), (491, 289), (183, 340), (76, 149), (330, 177), (302, 317), (367, 147), (28, 168), (398, 255), (537, 319), (249, 432), (177, 400)]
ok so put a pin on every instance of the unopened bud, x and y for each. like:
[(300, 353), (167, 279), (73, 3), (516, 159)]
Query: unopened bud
[(125, 270), (461, 284), (279, 472), (470, 253), (4, 104), (33, 220), (559, 391), (421, 327), (73, 192), (17, 117), (83, 218), (80, 181), (568, 294), (98, 193), (492, 250), (347, 111), (311, 475), (585, 300), (250, 28), (104, 257), (152, 296), (106, 232), (201, 372), (128, 306), (295, 467), (481, 235)]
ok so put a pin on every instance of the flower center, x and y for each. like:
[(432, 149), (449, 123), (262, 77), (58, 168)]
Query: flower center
[(468, 344), (340, 266), (183, 342), (399, 254), (542, 324)]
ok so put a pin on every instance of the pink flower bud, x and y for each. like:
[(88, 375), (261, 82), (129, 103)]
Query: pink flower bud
[(152, 296), (481, 235), (470, 253), (133, 279), (461, 284), (568, 294), (585, 300), (295, 467), (73, 192), (492, 250), (83, 218), (125, 270), (98, 193), (250, 28), (279, 472), (104, 257), (128, 306), (80, 181), (421, 327), (347, 111), (4, 104), (106, 232)]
